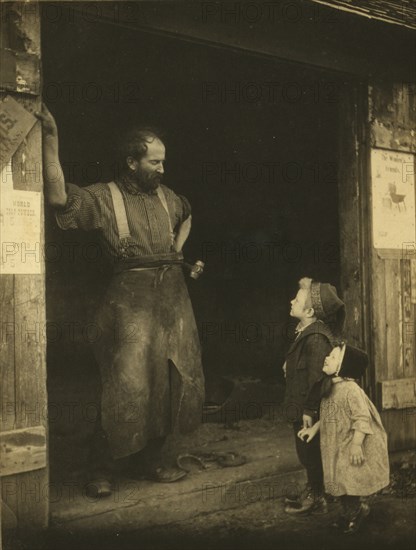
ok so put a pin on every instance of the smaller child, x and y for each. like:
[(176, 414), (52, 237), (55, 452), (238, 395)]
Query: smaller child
[(353, 440)]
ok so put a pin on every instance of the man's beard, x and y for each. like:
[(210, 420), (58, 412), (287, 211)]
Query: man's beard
[(145, 181)]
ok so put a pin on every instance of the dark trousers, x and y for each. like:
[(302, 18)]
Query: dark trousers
[(102, 465), (309, 455)]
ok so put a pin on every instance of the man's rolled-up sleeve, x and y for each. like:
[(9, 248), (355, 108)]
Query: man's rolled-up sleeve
[(186, 207), (82, 210)]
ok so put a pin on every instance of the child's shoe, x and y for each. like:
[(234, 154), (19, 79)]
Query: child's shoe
[(320, 506), (309, 504), (340, 523), (355, 522), (294, 495)]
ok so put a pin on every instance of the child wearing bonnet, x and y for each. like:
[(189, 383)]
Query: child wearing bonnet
[(352, 438)]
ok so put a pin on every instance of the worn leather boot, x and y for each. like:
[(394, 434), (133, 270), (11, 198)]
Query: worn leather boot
[(294, 495), (307, 505), (98, 488), (355, 521), (163, 474)]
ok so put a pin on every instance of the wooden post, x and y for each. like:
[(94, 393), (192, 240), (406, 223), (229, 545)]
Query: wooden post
[(23, 397), (352, 216)]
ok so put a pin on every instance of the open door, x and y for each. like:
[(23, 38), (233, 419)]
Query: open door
[(23, 421)]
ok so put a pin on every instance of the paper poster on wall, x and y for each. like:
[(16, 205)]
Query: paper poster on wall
[(15, 123), (393, 197), (20, 229)]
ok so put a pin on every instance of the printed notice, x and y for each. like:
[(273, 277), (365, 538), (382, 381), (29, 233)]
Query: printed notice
[(15, 123), (19, 228), (393, 189)]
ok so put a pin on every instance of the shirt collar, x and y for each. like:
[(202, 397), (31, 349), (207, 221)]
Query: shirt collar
[(337, 379), (299, 329)]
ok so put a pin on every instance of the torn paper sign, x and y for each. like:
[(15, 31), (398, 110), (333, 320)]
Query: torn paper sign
[(15, 124), (393, 198), (20, 230)]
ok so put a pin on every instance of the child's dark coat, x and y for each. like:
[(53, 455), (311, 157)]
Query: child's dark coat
[(304, 362)]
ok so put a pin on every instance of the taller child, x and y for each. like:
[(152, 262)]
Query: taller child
[(317, 307)]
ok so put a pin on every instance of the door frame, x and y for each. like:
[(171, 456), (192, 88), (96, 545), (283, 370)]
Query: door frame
[(354, 202)]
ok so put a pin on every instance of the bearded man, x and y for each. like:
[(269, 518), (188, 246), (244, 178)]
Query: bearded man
[(149, 352)]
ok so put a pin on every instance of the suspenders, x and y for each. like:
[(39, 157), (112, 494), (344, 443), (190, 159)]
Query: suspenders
[(119, 211), (162, 199), (121, 216), (157, 260)]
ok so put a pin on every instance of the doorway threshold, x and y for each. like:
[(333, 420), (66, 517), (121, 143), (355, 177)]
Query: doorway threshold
[(270, 471)]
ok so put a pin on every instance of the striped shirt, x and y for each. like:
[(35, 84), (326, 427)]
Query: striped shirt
[(91, 208)]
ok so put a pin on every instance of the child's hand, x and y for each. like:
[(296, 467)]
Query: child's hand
[(307, 434), (356, 455), (307, 421)]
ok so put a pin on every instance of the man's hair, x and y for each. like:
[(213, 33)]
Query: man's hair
[(305, 284), (134, 142)]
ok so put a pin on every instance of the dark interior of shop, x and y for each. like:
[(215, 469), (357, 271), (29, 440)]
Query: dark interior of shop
[(251, 142)]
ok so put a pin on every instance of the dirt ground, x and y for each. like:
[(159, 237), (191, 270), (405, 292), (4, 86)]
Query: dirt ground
[(262, 525), (254, 523)]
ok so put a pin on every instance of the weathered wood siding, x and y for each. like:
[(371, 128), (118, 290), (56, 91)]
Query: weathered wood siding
[(23, 399), (352, 213), (392, 120)]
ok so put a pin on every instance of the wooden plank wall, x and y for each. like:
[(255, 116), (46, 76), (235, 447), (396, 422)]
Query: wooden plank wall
[(392, 119), (23, 398), (353, 215)]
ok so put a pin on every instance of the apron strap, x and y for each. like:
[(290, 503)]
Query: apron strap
[(119, 211), (162, 199)]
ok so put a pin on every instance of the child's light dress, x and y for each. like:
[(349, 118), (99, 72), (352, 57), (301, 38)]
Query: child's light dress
[(348, 408)]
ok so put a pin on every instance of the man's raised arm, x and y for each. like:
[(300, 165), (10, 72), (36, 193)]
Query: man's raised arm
[(53, 175)]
